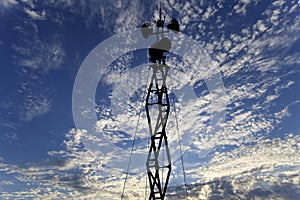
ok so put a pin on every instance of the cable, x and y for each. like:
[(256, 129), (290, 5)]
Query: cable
[(180, 146), (163, 165), (146, 186), (133, 142)]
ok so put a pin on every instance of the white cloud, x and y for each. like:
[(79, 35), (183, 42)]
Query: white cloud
[(271, 98), (241, 7), (245, 168), (35, 106), (129, 17), (293, 9), (8, 3), (249, 122), (283, 86), (29, 3), (246, 129), (71, 173), (261, 27), (74, 137), (32, 51), (278, 3), (269, 155), (36, 15), (6, 182), (210, 11), (44, 56), (10, 136)]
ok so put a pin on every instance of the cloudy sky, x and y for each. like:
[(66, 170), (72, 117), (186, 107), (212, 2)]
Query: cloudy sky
[(72, 89)]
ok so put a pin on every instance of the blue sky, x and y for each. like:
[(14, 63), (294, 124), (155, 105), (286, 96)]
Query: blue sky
[(237, 95)]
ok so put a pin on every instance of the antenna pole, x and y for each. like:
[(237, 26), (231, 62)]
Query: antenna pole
[(158, 108), (159, 10)]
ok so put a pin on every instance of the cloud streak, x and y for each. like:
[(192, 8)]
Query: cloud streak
[(239, 159)]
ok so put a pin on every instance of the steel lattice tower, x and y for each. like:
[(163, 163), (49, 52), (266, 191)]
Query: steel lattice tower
[(158, 108), (158, 96)]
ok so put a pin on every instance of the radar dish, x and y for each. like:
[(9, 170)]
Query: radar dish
[(164, 44), (173, 25), (146, 30)]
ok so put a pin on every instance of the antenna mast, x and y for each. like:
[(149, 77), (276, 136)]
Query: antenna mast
[(158, 107)]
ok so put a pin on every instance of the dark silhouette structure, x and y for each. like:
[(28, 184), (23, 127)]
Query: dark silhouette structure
[(158, 107)]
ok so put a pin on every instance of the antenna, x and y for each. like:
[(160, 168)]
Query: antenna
[(158, 107), (159, 10)]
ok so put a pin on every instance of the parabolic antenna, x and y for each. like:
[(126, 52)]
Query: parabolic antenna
[(146, 30), (173, 25)]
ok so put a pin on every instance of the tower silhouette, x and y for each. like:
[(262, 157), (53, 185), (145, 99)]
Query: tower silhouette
[(158, 107)]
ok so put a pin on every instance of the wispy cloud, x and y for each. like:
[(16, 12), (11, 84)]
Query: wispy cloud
[(8, 3), (272, 155), (6, 182), (35, 106), (45, 56), (239, 159), (268, 165), (35, 15)]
